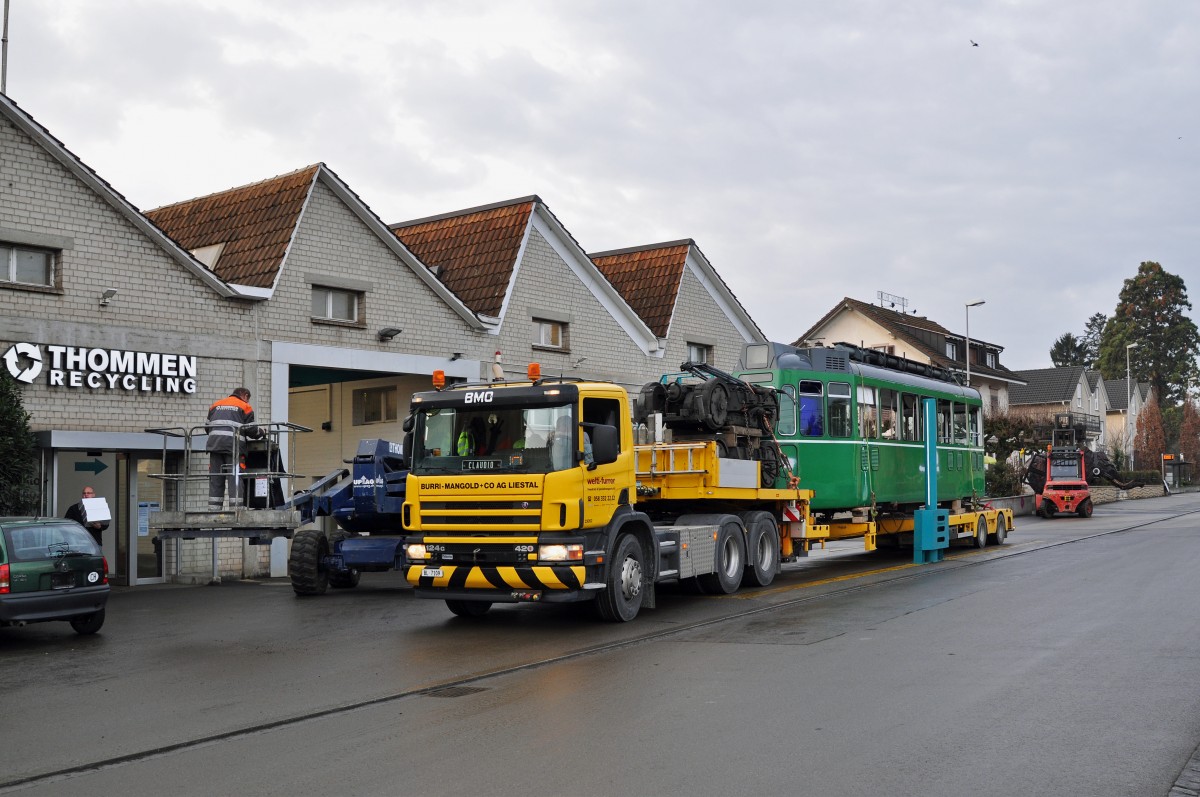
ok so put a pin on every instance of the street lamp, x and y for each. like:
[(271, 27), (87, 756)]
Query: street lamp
[(975, 303), (1129, 402)]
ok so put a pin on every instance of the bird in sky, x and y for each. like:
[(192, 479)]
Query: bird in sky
[(973, 42)]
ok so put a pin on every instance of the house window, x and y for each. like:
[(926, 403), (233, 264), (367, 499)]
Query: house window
[(374, 405), (885, 348), (699, 353), (990, 359), (331, 304), (25, 266), (1079, 396), (549, 334), (952, 349)]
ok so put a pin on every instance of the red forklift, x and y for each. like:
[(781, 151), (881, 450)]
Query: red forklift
[(1065, 488)]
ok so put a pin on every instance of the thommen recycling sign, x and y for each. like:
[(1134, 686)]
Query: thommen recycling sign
[(101, 369)]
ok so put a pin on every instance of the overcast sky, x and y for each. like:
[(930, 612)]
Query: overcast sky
[(813, 150)]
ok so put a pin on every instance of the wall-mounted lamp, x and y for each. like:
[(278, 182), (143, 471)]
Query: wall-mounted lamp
[(387, 333), (457, 355), (106, 297)]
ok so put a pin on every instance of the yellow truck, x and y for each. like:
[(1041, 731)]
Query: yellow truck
[(540, 491)]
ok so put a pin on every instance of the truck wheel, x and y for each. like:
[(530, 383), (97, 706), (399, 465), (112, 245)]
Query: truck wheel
[(762, 549), (342, 579), (89, 623), (1001, 531), (1085, 509), (622, 598), (981, 535), (729, 561), (308, 577), (469, 608)]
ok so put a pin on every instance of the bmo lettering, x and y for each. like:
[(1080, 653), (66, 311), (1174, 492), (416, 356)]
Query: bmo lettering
[(479, 397)]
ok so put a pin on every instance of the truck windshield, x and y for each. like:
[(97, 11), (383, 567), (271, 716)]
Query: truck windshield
[(493, 439)]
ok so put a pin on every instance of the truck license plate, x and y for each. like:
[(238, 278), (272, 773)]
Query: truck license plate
[(431, 572)]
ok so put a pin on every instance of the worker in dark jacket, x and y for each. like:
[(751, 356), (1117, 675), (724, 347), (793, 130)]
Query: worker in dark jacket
[(78, 513), (227, 418)]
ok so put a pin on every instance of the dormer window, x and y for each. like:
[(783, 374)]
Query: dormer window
[(952, 349)]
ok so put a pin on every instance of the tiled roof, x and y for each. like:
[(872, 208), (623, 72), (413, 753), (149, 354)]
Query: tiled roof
[(648, 279), (255, 223), (1046, 386), (473, 251)]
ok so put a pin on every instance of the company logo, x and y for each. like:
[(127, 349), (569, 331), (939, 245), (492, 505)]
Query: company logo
[(101, 369), (478, 397), (21, 371)]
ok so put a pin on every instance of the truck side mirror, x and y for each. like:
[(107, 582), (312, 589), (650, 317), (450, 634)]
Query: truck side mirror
[(606, 444)]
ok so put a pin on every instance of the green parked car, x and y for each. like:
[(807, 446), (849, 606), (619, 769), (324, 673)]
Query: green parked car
[(51, 569)]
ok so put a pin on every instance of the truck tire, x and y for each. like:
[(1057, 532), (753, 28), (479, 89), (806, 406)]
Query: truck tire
[(342, 579), (309, 547), (762, 549), (624, 592), (1085, 509), (729, 559), (469, 608), (981, 533), (1001, 531)]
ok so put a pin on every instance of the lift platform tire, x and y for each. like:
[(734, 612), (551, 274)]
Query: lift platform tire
[(342, 579), (468, 608), (730, 560), (762, 549), (981, 532), (308, 577), (1085, 509), (625, 585), (89, 623)]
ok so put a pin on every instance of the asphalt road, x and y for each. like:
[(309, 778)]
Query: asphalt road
[(1064, 662)]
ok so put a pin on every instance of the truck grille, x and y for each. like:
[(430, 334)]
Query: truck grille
[(504, 515)]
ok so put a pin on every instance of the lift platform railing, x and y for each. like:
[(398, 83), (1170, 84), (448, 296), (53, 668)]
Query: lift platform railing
[(257, 468)]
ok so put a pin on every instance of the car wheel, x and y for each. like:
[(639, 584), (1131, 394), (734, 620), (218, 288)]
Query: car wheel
[(89, 623)]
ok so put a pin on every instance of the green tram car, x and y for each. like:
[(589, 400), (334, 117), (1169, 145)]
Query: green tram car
[(851, 424)]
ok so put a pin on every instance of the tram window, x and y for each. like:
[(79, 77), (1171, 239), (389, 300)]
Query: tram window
[(943, 421), (786, 426), (976, 426), (960, 422), (911, 428), (889, 411), (839, 409), (812, 419), (866, 412)]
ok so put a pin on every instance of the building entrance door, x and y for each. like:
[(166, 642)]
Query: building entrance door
[(102, 471)]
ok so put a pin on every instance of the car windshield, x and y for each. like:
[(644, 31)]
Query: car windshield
[(492, 439), (50, 541)]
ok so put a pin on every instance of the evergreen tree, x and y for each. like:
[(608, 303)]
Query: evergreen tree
[(1149, 443), (18, 452), (1093, 333), (1067, 350), (1150, 312)]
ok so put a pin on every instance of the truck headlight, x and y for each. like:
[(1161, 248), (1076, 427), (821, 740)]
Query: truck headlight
[(560, 553), (416, 551)]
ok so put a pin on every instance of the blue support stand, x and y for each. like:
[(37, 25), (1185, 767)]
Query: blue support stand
[(931, 526)]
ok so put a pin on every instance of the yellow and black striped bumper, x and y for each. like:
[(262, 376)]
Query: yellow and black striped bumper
[(497, 577)]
